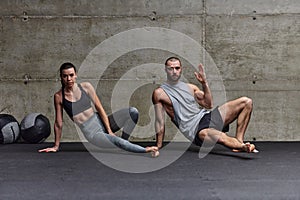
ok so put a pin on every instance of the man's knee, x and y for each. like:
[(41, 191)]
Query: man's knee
[(212, 135), (203, 133), (248, 102)]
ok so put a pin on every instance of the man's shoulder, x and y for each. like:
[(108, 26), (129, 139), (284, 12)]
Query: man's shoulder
[(158, 94), (193, 87), (158, 91)]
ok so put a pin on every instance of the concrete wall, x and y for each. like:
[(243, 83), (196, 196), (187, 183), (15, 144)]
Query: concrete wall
[(253, 44)]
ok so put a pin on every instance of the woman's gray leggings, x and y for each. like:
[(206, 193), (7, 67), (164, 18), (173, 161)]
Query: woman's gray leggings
[(95, 132)]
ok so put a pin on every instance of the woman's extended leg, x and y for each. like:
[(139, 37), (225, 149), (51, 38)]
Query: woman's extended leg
[(126, 145), (95, 133), (101, 138)]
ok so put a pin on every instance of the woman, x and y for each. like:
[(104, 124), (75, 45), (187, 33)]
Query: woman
[(97, 127)]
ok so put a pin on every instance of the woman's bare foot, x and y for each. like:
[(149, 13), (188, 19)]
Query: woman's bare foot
[(154, 151)]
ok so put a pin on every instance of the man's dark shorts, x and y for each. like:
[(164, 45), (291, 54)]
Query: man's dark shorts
[(213, 120)]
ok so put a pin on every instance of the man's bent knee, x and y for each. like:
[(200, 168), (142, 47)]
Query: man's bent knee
[(211, 135), (246, 100), (203, 133)]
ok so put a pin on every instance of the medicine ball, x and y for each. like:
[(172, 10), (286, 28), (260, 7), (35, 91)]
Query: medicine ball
[(35, 128), (9, 129)]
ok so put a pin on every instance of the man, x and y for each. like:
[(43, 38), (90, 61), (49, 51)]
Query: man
[(181, 102)]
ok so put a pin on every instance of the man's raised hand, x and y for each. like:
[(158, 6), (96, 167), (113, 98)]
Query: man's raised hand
[(200, 75)]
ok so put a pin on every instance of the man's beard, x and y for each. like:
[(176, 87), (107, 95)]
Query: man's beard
[(174, 78)]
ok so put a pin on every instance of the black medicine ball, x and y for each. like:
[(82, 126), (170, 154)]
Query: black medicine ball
[(9, 129), (35, 128)]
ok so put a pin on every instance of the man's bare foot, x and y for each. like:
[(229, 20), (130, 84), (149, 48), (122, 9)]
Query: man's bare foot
[(250, 148), (247, 147), (154, 151)]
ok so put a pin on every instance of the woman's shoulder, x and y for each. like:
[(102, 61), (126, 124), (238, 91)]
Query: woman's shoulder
[(87, 87), (58, 95), (86, 83)]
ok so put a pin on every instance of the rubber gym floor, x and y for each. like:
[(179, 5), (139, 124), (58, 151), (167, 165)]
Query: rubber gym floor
[(73, 173)]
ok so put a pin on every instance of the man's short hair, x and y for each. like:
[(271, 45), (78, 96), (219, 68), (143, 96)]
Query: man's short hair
[(172, 59)]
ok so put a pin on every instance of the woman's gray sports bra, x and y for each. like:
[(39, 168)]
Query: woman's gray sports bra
[(74, 108)]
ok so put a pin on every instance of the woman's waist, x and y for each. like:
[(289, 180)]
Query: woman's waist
[(83, 117)]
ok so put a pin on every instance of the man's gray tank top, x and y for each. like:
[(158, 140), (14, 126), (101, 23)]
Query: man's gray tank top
[(187, 113)]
